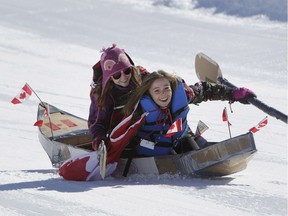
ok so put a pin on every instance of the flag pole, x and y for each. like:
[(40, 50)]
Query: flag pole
[(36, 94), (43, 105), (229, 129)]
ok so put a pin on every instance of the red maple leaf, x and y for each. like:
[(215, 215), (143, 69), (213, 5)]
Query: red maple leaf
[(172, 126), (22, 95)]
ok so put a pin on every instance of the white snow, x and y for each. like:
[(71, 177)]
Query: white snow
[(53, 44)]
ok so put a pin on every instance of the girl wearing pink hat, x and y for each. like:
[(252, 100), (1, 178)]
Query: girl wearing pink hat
[(114, 78)]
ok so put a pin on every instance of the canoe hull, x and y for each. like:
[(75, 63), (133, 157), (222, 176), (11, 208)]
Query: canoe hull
[(64, 135)]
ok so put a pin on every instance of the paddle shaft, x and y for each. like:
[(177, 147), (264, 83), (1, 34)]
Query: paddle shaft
[(259, 104)]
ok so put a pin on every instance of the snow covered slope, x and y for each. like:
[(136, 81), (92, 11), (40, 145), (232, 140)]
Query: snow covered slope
[(53, 44)]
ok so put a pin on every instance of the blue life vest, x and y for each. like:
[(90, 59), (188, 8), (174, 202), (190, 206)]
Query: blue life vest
[(152, 131)]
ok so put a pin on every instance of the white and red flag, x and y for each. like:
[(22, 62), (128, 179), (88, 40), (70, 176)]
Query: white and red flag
[(39, 122), (174, 128), (225, 116), (261, 124), (25, 93), (122, 134), (86, 167)]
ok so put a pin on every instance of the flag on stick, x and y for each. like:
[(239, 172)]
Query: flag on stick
[(225, 118), (25, 93), (261, 124), (174, 128), (39, 122), (201, 128)]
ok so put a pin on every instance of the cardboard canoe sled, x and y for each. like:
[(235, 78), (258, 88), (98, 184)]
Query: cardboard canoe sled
[(64, 135)]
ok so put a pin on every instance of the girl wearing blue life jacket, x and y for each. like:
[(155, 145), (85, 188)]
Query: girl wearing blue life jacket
[(162, 95), (166, 97)]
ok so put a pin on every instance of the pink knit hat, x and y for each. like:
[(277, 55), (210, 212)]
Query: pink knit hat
[(113, 60)]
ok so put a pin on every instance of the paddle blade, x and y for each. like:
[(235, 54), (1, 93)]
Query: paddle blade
[(207, 69), (102, 157)]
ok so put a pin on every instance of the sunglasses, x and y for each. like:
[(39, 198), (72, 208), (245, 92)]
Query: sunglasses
[(118, 74)]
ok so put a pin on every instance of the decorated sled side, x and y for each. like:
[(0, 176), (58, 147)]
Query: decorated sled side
[(219, 159), (64, 135)]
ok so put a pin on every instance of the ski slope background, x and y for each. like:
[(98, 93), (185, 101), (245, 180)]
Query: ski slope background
[(53, 44)]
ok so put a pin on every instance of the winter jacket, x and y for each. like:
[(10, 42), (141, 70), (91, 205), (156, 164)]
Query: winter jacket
[(102, 120)]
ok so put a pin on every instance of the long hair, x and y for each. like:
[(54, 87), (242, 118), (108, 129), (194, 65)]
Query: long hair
[(145, 86), (101, 97)]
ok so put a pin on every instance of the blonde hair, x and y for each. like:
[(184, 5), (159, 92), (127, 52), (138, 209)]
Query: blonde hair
[(145, 86)]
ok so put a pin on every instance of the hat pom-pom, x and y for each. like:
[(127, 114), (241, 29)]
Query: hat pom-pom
[(104, 49)]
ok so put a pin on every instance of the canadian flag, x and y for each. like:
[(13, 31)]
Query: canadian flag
[(84, 167), (39, 122), (225, 116), (25, 93), (174, 128), (261, 124), (122, 134)]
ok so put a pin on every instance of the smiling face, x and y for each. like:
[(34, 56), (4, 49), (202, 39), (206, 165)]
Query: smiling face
[(124, 79), (161, 92)]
